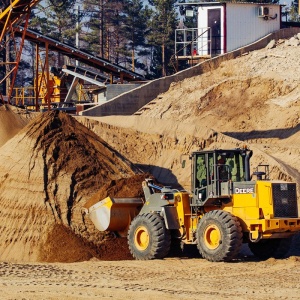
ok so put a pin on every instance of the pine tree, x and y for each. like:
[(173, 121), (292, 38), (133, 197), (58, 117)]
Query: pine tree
[(134, 30), (162, 33), (102, 27), (57, 19), (294, 12)]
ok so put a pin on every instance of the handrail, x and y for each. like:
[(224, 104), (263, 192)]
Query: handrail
[(190, 43)]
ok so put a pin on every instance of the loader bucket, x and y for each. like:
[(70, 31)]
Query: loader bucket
[(115, 214)]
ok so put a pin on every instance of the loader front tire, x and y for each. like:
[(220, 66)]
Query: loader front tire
[(265, 249), (219, 236), (148, 237)]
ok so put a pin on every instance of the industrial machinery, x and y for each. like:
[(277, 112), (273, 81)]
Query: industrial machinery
[(228, 206), (64, 90)]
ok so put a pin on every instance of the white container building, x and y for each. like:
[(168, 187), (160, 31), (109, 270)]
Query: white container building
[(223, 27)]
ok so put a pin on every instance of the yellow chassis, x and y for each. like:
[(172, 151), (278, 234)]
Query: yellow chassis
[(272, 228)]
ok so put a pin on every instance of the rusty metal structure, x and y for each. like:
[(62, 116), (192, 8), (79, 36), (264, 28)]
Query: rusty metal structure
[(16, 13), (14, 30)]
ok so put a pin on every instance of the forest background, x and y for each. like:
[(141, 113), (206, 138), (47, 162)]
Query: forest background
[(136, 34)]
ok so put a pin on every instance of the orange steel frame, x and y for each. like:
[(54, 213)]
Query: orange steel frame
[(14, 22), (18, 11)]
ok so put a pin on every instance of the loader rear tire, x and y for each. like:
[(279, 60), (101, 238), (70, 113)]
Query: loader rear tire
[(219, 236), (265, 249), (148, 237)]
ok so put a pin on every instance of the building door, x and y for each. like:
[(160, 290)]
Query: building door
[(214, 22)]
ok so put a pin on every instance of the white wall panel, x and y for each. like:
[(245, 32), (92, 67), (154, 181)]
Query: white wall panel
[(243, 26)]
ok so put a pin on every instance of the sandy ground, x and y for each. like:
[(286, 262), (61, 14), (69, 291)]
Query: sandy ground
[(171, 278), (53, 165)]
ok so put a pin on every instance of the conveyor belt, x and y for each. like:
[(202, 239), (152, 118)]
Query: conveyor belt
[(80, 55), (85, 78), (17, 13), (88, 72)]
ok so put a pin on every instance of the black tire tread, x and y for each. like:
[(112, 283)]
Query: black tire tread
[(160, 238), (231, 236), (265, 249)]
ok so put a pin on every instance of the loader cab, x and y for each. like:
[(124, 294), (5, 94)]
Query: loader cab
[(214, 171)]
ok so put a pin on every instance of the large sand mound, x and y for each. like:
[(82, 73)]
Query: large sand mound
[(49, 170), (253, 100), (55, 165)]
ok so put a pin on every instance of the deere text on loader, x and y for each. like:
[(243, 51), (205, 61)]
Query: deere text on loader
[(228, 206)]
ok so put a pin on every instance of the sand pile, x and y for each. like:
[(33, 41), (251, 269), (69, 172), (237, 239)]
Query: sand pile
[(55, 165), (49, 170), (12, 120), (253, 100)]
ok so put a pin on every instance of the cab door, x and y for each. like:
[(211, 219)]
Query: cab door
[(200, 175)]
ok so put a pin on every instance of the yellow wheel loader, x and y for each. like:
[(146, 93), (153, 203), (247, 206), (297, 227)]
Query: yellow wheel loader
[(228, 206)]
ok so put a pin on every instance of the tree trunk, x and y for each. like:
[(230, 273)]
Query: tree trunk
[(163, 60)]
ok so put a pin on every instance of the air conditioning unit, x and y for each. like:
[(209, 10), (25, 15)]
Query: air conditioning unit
[(263, 11)]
